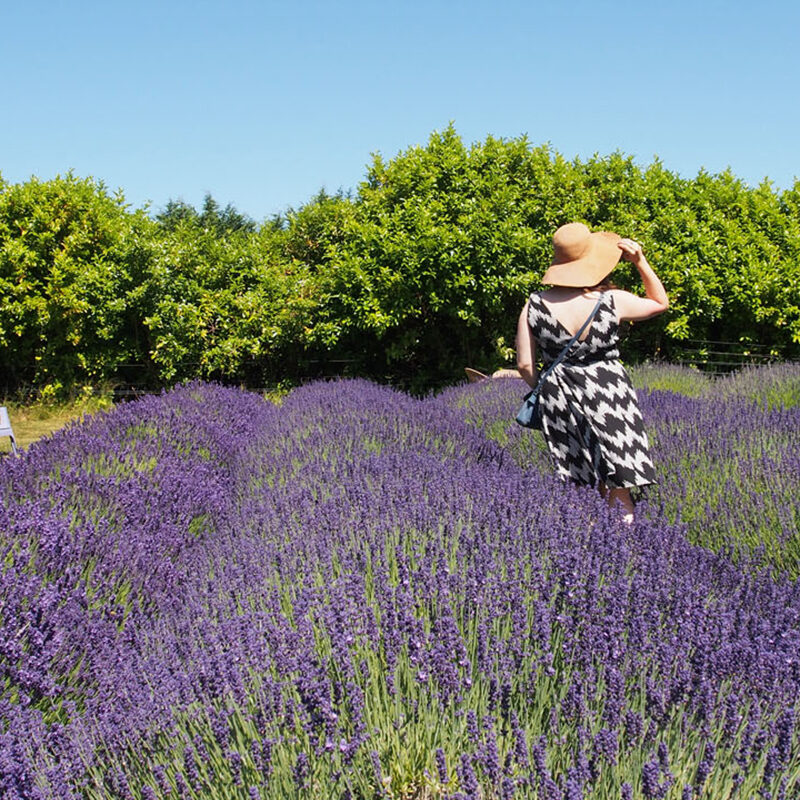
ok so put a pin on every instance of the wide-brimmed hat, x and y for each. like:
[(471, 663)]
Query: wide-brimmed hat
[(580, 257)]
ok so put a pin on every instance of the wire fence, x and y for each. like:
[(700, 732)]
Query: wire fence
[(723, 357), (716, 357)]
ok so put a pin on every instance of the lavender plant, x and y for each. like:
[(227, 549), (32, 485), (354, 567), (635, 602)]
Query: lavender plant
[(684, 380), (728, 458), (770, 385), (360, 594)]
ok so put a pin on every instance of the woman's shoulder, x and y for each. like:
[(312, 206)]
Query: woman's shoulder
[(622, 298), (533, 309), (534, 298), (618, 296)]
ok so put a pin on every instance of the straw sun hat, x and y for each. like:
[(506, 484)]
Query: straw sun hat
[(580, 257)]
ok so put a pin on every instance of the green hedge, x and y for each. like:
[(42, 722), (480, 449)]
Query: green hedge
[(419, 273)]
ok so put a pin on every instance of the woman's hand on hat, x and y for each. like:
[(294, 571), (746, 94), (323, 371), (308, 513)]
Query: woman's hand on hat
[(631, 250)]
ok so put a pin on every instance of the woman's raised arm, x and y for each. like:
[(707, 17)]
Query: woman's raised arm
[(630, 306)]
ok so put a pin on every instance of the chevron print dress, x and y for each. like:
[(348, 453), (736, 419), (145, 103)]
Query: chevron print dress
[(590, 415)]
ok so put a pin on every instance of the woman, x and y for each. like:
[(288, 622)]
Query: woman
[(590, 416)]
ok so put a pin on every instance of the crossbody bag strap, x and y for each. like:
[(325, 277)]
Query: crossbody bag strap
[(571, 342)]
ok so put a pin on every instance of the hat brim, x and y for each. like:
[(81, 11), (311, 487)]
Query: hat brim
[(601, 257)]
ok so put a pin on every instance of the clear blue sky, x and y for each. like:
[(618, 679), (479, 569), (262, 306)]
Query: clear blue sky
[(262, 103)]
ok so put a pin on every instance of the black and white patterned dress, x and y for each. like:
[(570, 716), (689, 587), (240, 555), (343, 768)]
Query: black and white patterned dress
[(590, 415)]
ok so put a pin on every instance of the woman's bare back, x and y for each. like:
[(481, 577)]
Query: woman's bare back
[(570, 307)]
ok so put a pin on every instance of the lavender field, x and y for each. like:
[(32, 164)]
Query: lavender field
[(359, 594)]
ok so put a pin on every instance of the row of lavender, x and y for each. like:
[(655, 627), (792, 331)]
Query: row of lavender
[(727, 451), (359, 594), (767, 385)]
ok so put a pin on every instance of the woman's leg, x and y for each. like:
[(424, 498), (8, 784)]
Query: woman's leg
[(623, 497)]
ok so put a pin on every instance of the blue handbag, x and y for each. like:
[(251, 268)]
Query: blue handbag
[(530, 415)]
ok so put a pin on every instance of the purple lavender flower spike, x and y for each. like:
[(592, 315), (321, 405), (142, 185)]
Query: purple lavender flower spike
[(468, 779), (706, 764), (651, 787), (376, 767), (441, 765), (574, 787), (301, 770)]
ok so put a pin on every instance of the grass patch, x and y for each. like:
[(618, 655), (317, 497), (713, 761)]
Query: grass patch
[(34, 421)]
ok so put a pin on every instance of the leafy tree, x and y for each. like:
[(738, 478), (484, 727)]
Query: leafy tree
[(61, 309), (420, 272), (177, 213), (446, 241), (221, 307), (221, 221)]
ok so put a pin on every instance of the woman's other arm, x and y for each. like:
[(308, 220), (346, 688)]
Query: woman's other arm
[(630, 306), (526, 349)]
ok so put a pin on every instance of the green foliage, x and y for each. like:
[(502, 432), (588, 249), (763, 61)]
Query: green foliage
[(420, 272), (445, 241), (434, 264), (91, 293), (219, 221), (61, 287), (223, 307)]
